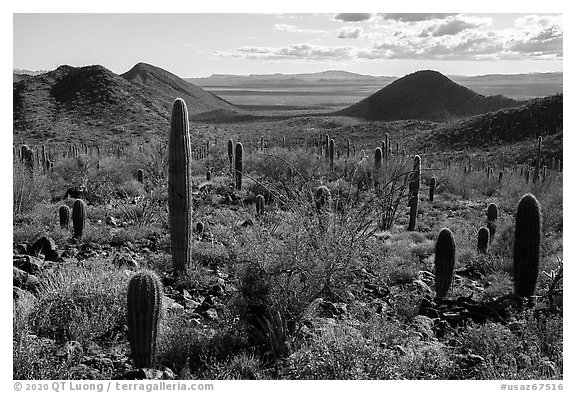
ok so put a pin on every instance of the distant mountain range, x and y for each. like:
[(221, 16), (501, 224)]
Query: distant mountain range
[(93, 103)]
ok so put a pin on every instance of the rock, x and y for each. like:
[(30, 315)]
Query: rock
[(23, 280), (141, 374), (111, 221), (176, 308), (28, 263), (55, 256), (72, 351), (23, 248), (101, 364), (424, 325), (70, 252), (247, 223), (84, 372), (469, 360), (125, 260), (216, 290), (44, 245), (211, 314), (192, 304), (22, 297)]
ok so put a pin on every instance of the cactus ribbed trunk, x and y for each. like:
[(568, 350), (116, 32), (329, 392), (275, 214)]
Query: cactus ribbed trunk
[(527, 246), (483, 238), (144, 303), (331, 154), (64, 216), (377, 166), (179, 186), (538, 155), (444, 259), (238, 166), (259, 206), (432, 189), (231, 155), (78, 217)]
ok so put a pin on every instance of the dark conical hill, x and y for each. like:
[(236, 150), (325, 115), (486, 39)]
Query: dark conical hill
[(425, 95), (92, 102)]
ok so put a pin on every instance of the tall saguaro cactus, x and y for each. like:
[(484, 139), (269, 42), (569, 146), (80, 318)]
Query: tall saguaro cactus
[(238, 166), (231, 154), (144, 302), (536, 176), (444, 259), (377, 166), (331, 154), (527, 245), (414, 189), (179, 186), (78, 217), (432, 190)]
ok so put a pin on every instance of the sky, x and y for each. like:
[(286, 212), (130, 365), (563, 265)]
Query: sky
[(202, 44)]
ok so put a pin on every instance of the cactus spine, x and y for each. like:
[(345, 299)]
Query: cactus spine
[(179, 186), (483, 238), (527, 246), (78, 217), (64, 216), (144, 302), (414, 189), (444, 259), (238, 166), (259, 206)]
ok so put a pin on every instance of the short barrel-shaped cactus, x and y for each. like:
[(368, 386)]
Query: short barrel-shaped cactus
[(64, 216), (483, 240), (144, 304)]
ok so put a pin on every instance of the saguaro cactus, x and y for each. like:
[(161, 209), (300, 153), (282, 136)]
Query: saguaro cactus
[(331, 153), (444, 259), (231, 154), (64, 216), (238, 166), (432, 189), (348, 148), (491, 216), (527, 246), (259, 205), (483, 238), (327, 147), (377, 166), (78, 217), (414, 189), (537, 168), (179, 186), (321, 197), (144, 303), (208, 175), (140, 175), (386, 146)]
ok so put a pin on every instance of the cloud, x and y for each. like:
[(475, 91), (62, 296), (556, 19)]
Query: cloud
[(352, 17), (454, 25), (413, 17), (350, 32), (302, 51), (294, 29)]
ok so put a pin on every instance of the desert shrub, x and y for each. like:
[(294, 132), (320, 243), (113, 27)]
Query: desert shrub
[(28, 189), (82, 303)]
